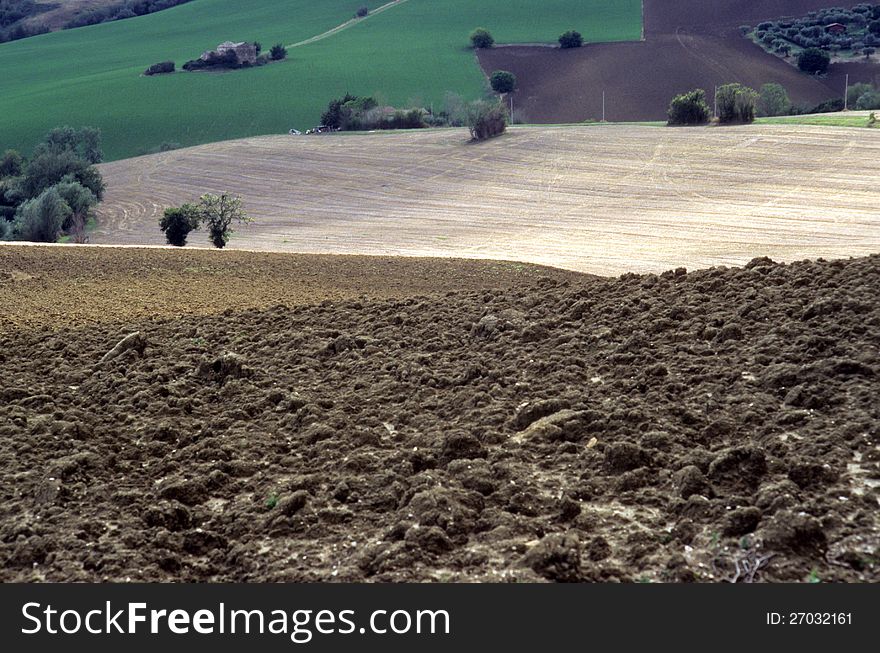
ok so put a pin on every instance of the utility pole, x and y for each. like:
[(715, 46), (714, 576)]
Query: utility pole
[(603, 106), (715, 112), (846, 95)]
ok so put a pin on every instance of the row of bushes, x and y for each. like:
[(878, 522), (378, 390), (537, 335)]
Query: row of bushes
[(481, 39), (54, 191), (741, 104), (216, 212), (363, 113), (485, 118)]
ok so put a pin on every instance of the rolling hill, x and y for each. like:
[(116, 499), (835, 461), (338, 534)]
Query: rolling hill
[(415, 50)]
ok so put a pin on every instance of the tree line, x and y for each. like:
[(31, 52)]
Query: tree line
[(54, 192)]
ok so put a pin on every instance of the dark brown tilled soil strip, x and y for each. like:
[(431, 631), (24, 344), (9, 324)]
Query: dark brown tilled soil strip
[(675, 427)]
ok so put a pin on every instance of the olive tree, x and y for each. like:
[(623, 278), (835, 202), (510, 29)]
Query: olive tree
[(40, 219), (218, 212), (178, 222)]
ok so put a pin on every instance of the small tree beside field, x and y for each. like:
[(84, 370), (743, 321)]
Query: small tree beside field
[(177, 223), (481, 39), (486, 119), (736, 104), (502, 81), (278, 52), (218, 212), (689, 108), (571, 39), (814, 61)]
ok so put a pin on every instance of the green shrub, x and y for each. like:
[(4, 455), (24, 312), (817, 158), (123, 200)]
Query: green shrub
[(162, 68), (85, 143), (177, 223), (278, 52), (40, 220), (814, 61), (5, 229), (481, 38), (502, 81), (362, 12), (736, 103), (571, 39), (773, 100), (11, 164), (486, 120), (81, 201), (870, 100), (689, 108)]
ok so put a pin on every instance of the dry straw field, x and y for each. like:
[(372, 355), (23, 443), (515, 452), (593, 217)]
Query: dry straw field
[(601, 199)]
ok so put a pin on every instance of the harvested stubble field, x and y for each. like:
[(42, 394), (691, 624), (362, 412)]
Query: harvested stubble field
[(532, 425), (603, 200)]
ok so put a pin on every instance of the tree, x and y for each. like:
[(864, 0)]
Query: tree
[(855, 91), (814, 61), (874, 27), (571, 39), (773, 100), (85, 143), (258, 47), (177, 223), (81, 201), (481, 38), (278, 52), (218, 212), (40, 219), (870, 100), (736, 103), (486, 119), (11, 164), (502, 81), (868, 52), (689, 108), (362, 12)]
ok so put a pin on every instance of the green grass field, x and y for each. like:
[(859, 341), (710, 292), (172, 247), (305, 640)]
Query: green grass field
[(822, 120), (414, 51)]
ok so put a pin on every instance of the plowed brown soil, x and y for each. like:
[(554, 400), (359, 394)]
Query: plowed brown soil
[(717, 425), (690, 44)]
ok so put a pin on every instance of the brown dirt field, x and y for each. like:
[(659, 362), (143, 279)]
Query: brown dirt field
[(690, 44), (62, 287), (569, 428), (604, 200)]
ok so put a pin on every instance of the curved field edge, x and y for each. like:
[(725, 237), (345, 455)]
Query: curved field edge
[(603, 200), (413, 53)]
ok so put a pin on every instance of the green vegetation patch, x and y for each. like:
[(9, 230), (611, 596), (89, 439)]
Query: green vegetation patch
[(411, 54)]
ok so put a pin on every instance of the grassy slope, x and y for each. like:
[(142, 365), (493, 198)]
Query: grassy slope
[(413, 51), (822, 120)]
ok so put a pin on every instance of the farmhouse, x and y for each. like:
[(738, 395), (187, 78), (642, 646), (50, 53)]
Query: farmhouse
[(246, 52), (836, 28)]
